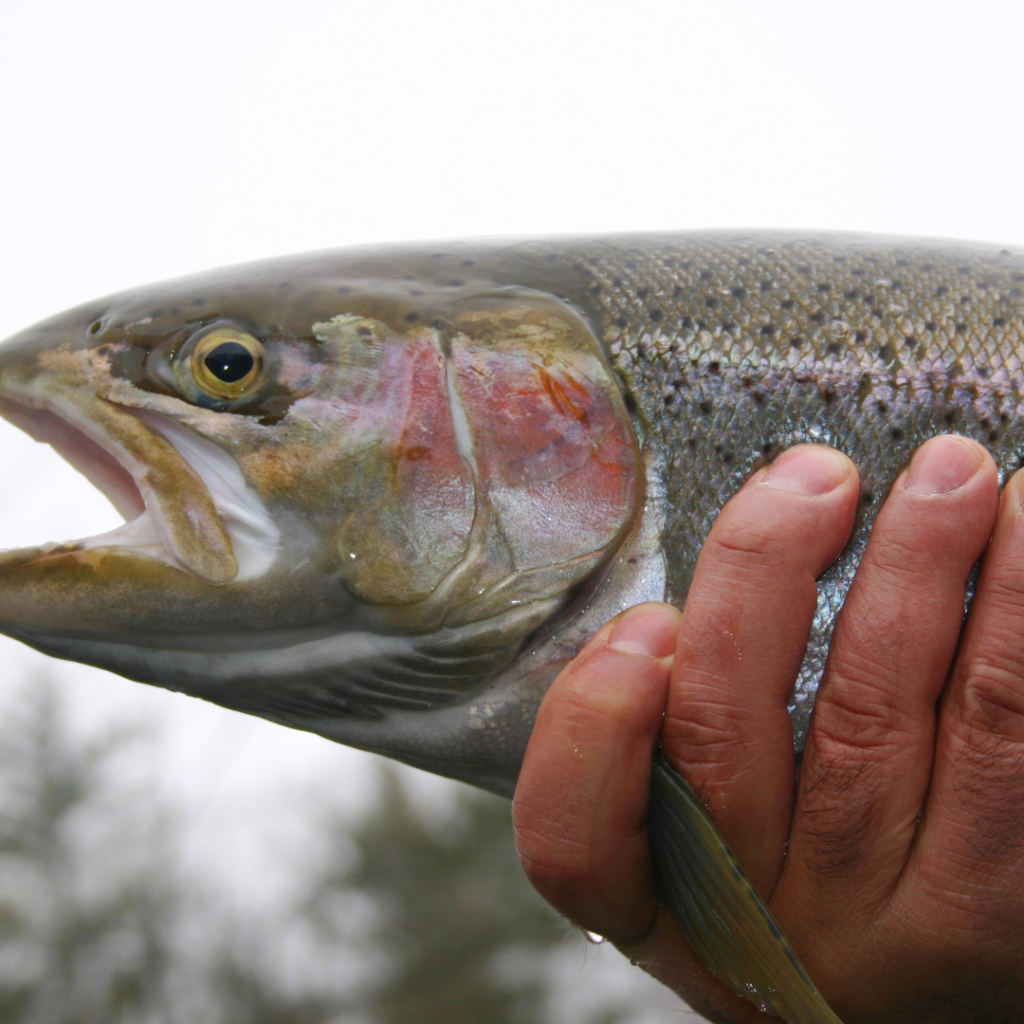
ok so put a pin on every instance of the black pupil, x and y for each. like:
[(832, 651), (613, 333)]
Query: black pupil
[(230, 362)]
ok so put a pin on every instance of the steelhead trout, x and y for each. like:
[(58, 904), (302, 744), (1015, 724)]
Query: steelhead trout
[(385, 494)]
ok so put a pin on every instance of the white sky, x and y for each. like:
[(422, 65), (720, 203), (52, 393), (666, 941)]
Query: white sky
[(144, 140)]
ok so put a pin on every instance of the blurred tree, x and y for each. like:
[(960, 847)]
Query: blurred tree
[(465, 937), (82, 934), (415, 917)]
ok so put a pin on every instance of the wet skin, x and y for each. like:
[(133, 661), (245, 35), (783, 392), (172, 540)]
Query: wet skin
[(893, 863)]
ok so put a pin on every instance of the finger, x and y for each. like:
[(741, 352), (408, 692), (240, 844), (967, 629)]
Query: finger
[(581, 799), (744, 629), (974, 821), (868, 758)]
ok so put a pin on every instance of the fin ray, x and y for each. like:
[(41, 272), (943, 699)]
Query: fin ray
[(725, 921)]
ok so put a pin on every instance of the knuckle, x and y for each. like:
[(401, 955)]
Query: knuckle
[(856, 715), (742, 541), (711, 732), (991, 701)]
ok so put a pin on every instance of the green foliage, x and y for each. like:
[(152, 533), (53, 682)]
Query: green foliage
[(454, 918), (77, 945), (419, 915)]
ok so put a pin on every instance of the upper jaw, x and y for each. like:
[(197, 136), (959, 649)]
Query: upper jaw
[(184, 498)]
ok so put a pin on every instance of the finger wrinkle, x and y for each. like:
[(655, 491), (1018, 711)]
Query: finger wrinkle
[(990, 699)]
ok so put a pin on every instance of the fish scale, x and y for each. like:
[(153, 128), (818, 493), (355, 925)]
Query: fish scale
[(447, 465), (736, 346)]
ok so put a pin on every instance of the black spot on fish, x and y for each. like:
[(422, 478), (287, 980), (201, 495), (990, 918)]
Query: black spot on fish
[(283, 284), (896, 433), (822, 287), (456, 282), (795, 342), (412, 317), (705, 408), (931, 326), (999, 322), (867, 498), (642, 293), (677, 291), (832, 347), (596, 289), (714, 367), (622, 322), (765, 286), (768, 330), (728, 326), (961, 328), (617, 282), (711, 302), (199, 302), (705, 275), (818, 317), (942, 290), (882, 407), (175, 312), (656, 315), (829, 395), (910, 342), (343, 290), (739, 293), (876, 313), (468, 263), (156, 314), (630, 403), (860, 337), (804, 271), (885, 353), (852, 295)]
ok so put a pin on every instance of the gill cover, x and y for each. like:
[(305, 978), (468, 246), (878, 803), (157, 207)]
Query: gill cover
[(506, 467)]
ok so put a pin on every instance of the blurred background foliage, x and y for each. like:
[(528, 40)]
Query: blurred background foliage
[(403, 916)]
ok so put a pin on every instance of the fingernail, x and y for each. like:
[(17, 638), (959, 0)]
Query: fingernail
[(648, 629), (943, 464), (808, 469)]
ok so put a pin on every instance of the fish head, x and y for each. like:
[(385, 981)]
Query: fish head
[(350, 506)]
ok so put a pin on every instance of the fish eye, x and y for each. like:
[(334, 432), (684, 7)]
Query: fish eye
[(226, 362)]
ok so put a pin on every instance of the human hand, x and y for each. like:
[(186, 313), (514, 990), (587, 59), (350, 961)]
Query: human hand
[(894, 865)]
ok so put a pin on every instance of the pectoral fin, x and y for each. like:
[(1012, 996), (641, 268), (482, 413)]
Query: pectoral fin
[(729, 927)]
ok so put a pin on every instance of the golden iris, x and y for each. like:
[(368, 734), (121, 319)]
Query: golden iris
[(227, 362)]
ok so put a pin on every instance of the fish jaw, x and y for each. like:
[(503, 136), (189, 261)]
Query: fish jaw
[(405, 505)]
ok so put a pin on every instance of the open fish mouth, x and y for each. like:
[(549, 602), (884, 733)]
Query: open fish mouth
[(184, 499)]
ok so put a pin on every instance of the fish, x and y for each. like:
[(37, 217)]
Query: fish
[(385, 494)]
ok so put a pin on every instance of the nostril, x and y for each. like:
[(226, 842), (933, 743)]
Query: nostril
[(95, 327)]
